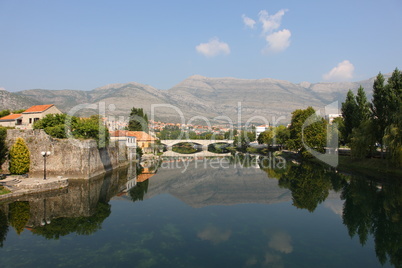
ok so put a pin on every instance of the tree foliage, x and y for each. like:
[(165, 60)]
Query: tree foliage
[(3, 147), (303, 133), (138, 120), (350, 115), (20, 157), (19, 214), (266, 137), (81, 128)]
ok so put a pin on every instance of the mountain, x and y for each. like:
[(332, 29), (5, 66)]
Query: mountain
[(12, 101), (198, 98)]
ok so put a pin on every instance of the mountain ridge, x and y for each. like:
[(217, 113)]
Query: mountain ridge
[(205, 98)]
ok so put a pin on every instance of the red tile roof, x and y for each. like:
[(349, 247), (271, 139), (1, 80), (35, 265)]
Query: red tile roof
[(11, 117), (38, 108), (140, 135)]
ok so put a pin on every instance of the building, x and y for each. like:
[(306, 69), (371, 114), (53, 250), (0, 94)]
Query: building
[(140, 138), (330, 117), (27, 118), (260, 129), (11, 120)]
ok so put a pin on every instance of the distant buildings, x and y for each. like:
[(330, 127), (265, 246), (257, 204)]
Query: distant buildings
[(133, 139), (27, 118), (260, 129), (330, 117)]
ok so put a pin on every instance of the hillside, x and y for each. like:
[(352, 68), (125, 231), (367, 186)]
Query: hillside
[(14, 101), (204, 97)]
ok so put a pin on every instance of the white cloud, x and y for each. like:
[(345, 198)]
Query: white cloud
[(282, 242), (213, 48), (214, 235), (277, 41), (249, 22), (343, 71), (271, 22)]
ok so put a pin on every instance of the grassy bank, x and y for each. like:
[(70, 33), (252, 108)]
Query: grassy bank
[(4, 190), (373, 167)]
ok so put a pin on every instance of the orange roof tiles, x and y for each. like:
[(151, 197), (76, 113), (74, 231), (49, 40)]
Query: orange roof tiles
[(11, 117), (38, 108), (140, 135)]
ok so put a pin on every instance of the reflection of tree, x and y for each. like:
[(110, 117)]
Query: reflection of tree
[(309, 183), (3, 227), (138, 191), (19, 215), (376, 211), (80, 225)]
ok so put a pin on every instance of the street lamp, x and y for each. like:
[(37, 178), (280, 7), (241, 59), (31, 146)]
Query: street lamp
[(44, 154)]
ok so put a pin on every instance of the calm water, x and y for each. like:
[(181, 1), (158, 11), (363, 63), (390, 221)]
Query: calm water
[(208, 214)]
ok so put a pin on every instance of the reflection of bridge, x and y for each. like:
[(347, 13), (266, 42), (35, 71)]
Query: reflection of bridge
[(198, 154), (204, 143)]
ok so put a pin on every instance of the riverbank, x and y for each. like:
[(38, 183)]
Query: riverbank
[(372, 167)]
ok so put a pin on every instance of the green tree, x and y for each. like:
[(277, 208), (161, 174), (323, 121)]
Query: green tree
[(380, 109), (138, 120), (350, 115), (301, 133), (20, 157), (3, 147), (282, 134), (363, 106), (92, 128), (4, 113), (266, 137), (340, 125), (18, 215), (362, 142)]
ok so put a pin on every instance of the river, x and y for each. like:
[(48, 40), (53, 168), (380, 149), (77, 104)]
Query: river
[(220, 212)]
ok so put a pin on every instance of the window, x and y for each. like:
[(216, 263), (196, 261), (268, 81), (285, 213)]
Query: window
[(30, 120)]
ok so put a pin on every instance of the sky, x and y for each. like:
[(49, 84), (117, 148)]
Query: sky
[(83, 45)]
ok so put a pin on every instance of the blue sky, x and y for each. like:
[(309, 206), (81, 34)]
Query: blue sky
[(86, 44)]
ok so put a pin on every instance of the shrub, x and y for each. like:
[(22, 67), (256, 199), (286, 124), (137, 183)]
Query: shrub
[(20, 157)]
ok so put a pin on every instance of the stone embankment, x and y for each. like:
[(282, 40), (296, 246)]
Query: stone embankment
[(68, 159)]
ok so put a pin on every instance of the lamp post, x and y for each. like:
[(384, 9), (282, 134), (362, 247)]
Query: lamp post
[(44, 154)]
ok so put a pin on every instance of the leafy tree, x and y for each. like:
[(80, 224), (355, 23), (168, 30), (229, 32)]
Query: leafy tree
[(138, 120), (363, 140), (18, 215), (363, 106), (350, 115), (266, 137), (243, 138), (20, 157), (282, 134), (19, 111), (380, 109), (3, 147), (313, 135), (4, 113), (340, 123), (92, 128)]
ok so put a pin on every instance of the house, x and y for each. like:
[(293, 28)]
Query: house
[(143, 140), (260, 129), (11, 120), (124, 137), (37, 112), (28, 117)]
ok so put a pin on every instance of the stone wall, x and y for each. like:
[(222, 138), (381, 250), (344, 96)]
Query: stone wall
[(69, 157)]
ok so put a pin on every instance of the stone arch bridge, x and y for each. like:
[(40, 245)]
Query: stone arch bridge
[(204, 143)]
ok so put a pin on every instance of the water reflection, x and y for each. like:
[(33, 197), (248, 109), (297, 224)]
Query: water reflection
[(81, 208), (370, 208)]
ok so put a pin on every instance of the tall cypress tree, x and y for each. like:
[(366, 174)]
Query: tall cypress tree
[(363, 106), (380, 108), (350, 115), (138, 120)]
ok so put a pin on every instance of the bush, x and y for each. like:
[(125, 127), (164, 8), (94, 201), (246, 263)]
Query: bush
[(20, 157)]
